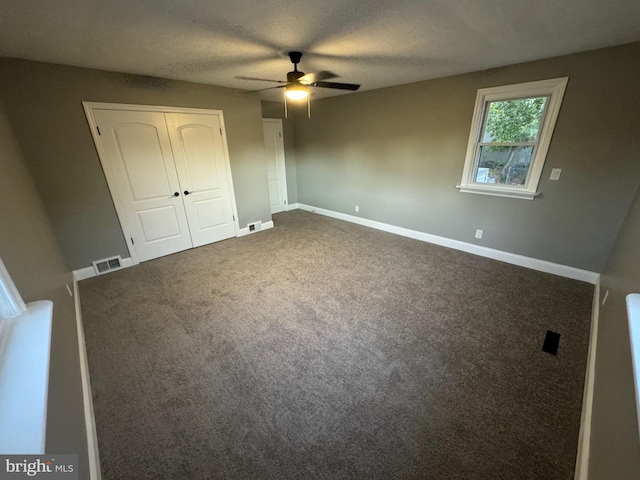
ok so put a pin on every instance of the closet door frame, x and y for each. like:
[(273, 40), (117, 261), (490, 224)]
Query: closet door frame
[(88, 110)]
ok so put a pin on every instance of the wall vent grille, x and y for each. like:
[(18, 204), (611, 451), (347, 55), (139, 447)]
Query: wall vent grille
[(254, 227), (107, 265)]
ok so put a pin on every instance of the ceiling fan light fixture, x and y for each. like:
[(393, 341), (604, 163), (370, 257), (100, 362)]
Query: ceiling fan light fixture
[(296, 92)]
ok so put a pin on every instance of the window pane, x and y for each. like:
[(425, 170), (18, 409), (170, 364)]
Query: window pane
[(516, 120), (503, 165)]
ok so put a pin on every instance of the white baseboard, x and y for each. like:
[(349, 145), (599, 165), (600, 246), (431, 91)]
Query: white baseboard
[(584, 438), (83, 273), (245, 231), (512, 258), (293, 206), (89, 417), (89, 272)]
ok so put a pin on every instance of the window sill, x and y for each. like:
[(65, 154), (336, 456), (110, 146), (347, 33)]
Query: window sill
[(498, 192), (24, 380)]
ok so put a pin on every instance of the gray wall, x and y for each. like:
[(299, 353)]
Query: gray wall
[(615, 444), (398, 152), (43, 102), (32, 257), (276, 110)]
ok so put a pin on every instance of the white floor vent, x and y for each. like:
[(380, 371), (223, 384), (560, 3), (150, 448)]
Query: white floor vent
[(254, 227), (107, 265)]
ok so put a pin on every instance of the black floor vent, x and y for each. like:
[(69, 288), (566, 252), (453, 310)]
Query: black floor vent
[(551, 342)]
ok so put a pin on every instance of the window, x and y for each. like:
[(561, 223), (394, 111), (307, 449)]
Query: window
[(510, 135), (633, 317)]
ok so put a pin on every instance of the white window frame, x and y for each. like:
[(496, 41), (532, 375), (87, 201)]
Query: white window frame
[(25, 345), (633, 318), (553, 89)]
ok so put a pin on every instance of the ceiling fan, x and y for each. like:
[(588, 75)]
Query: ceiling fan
[(296, 87)]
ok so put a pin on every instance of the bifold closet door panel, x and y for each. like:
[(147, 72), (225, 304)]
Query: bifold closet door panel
[(145, 180), (203, 171)]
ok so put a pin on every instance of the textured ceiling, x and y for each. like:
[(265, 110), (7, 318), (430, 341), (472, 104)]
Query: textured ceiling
[(372, 42)]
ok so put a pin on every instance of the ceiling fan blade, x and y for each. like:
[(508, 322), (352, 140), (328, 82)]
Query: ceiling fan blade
[(310, 78), (263, 89), (259, 79), (339, 86)]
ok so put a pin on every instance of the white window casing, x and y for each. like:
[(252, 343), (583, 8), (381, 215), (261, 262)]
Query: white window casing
[(24, 380), (25, 343), (633, 317), (554, 90), (11, 304)]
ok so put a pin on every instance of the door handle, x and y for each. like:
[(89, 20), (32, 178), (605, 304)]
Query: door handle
[(176, 194), (187, 192)]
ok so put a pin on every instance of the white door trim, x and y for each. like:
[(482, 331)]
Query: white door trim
[(88, 110), (278, 121), (148, 108)]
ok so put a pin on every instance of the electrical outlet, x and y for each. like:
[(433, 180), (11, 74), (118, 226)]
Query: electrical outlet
[(357, 208), (478, 233), (555, 174)]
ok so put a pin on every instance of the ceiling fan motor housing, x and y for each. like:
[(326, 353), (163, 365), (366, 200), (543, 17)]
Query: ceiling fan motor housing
[(299, 81), (295, 57), (294, 76)]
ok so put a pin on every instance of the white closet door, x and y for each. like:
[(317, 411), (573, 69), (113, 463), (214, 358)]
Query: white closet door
[(274, 149), (204, 173), (138, 152)]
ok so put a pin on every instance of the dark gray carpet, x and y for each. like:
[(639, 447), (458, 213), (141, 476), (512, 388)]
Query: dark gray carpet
[(322, 349)]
